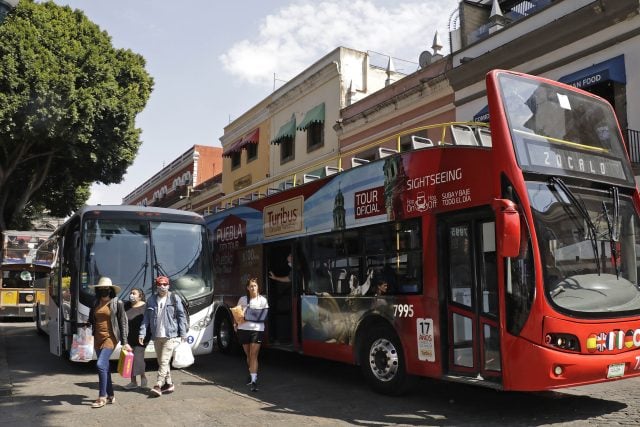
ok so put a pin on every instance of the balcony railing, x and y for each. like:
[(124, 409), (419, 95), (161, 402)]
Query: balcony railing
[(515, 11)]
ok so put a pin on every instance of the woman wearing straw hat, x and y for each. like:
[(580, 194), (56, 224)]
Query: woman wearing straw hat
[(109, 322)]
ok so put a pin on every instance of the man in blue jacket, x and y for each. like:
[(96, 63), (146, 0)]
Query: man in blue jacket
[(165, 318)]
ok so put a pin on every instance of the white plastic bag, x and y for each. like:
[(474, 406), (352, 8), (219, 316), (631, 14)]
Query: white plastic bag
[(82, 345), (182, 356)]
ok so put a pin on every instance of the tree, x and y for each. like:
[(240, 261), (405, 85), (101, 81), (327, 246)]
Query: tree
[(68, 103)]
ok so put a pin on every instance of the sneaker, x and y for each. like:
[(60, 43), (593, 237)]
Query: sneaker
[(111, 400), (143, 383), (131, 386), (99, 403), (156, 391), (249, 380), (168, 388), (254, 386)]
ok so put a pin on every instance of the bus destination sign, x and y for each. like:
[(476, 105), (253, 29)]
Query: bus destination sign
[(546, 156)]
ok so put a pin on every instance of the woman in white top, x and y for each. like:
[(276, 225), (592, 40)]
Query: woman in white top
[(251, 331)]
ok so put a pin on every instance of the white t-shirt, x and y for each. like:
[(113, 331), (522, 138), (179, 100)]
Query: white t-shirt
[(160, 326), (257, 302)]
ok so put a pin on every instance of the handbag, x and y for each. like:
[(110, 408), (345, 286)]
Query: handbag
[(238, 314), (82, 345), (182, 356), (125, 363), (258, 315)]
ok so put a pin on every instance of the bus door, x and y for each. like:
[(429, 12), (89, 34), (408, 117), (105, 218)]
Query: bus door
[(280, 279), (470, 284), (54, 320), (62, 295)]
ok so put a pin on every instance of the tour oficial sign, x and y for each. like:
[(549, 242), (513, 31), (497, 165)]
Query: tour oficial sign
[(369, 202), (284, 217)]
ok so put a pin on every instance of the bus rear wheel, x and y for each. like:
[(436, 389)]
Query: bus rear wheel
[(382, 362), (225, 335)]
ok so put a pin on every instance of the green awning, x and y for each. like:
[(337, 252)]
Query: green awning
[(287, 130), (315, 115)]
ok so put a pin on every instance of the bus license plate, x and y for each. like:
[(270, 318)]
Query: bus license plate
[(28, 310), (616, 370)]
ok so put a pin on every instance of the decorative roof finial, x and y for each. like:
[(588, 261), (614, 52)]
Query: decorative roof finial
[(437, 44)]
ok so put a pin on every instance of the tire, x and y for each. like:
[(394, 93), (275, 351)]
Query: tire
[(225, 335), (382, 362)]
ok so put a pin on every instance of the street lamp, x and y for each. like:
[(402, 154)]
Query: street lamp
[(6, 6)]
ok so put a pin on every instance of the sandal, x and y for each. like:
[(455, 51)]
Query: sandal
[(99, 403), (111, 400)]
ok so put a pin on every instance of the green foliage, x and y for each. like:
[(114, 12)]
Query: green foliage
[(68, 103)]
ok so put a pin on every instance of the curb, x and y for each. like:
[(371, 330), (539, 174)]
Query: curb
[(5, 375)]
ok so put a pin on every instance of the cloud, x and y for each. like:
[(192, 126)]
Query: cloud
[(298, 35)]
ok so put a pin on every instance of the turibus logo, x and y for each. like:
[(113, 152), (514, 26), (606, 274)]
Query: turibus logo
[(614, 340)]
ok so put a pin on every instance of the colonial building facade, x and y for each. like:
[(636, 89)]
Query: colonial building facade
[(593, 45), (288, 138), (179, 179)]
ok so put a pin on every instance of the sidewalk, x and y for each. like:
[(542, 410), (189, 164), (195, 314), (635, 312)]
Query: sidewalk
[(5, 376)]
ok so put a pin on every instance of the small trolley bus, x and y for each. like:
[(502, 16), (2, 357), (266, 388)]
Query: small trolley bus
[(505, 256), (131, 245), (18, 272)]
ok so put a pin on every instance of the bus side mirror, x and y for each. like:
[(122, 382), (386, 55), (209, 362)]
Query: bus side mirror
[(507, 227)]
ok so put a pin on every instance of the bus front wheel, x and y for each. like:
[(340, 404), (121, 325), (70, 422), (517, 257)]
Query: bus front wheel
[(224, 335), (382, 362)]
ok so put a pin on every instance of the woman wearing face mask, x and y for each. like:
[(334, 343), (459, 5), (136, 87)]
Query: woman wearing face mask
[(109, 322), (166, 320), (135, 313)]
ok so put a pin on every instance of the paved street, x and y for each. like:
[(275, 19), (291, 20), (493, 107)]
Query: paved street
[(295, 390)]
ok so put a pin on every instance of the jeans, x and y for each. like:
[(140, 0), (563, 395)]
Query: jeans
[(104, 374), (164, 350)]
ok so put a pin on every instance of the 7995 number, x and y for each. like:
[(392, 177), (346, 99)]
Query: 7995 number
[(403, 310)]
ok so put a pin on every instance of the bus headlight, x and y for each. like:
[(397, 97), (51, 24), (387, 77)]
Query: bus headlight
[(562, 341), (202, 324)]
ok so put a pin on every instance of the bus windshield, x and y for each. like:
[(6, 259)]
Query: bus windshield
[(133, 252), (590, 247), (562, 132)]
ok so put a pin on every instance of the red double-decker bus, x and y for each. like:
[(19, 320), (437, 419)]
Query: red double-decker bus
[(504, 257)]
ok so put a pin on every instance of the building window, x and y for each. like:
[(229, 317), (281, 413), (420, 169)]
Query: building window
[(287, 150), (252, 152), (235, 160), (315, 136)]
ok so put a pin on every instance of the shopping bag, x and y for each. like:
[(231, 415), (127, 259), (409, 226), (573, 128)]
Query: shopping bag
[(82, 345), (125, 363), (238, 314), (182, 356)]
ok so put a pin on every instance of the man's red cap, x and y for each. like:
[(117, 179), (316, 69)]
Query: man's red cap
[(162, 280)]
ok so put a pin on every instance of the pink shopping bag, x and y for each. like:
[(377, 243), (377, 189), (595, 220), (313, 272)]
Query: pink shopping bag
[(125, 363)]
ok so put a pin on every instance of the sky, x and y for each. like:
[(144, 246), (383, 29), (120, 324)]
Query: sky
[(213, 60)]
